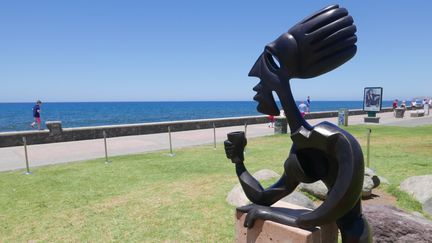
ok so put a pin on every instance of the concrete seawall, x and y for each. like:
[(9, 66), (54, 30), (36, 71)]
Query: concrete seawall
[(55, 133)]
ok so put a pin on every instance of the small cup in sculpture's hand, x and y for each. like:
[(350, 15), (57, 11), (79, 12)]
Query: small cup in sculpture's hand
[(234, 146)]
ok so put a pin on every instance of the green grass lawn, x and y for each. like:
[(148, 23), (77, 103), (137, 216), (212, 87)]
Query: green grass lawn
[(153, 197)]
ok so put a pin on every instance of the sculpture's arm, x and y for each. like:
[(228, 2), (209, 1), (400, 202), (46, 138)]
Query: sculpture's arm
[(289, 181), (257, 194), (278, 215), (252, 188)]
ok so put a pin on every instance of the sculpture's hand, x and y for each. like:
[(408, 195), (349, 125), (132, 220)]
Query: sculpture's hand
[(277, 215), (235, 151), (254, 212), (317, 44)]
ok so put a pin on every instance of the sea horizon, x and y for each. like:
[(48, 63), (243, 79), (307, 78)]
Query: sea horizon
[(155, 101), (17, 116)]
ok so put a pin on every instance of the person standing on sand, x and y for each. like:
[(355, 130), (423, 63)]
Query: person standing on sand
[(308, 103), (36, 114)]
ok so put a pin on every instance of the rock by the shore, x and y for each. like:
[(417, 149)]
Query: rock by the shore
[(427, 206), (419, 187), (317, 189), (368, 185), (265, 174), (372, 175), (390, 224), (299, 199), (237, 197)]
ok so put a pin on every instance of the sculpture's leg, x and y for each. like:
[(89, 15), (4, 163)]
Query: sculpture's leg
[(354, 227)]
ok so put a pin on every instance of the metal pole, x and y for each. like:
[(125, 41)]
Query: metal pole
[(368, 146), (214, 135), (106, 150), (26, 156), (170, 141)]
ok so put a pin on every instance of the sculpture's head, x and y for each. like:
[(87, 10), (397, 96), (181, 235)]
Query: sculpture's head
[(314, 46)]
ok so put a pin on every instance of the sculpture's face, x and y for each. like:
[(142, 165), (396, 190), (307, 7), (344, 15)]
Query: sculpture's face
[(272, 70), (314, 46), (269, 82)]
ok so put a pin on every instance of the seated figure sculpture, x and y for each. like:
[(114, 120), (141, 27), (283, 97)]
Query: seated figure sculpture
[(314, 46)]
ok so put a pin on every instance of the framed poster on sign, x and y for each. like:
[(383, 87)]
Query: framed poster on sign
[(372, 99)]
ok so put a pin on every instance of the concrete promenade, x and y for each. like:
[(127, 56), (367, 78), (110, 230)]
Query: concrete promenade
[(12, 158)]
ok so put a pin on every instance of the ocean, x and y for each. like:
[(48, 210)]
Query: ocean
[(18, 116)]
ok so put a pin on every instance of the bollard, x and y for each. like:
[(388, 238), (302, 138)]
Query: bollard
[(281, 125), (214, 135), (367, 146), (245, 132), (26, 156), (106, 150), (170, 142)]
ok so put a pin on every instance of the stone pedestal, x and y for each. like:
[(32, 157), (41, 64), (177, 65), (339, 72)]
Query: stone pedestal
[(418, 113), (268, 231), (399, 112), (371, 119), (54, 127), (281, 125)]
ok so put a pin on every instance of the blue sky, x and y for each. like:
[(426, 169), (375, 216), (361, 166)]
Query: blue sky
[(197, 50)]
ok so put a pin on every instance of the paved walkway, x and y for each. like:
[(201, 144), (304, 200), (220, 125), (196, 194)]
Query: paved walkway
[(13, 158)]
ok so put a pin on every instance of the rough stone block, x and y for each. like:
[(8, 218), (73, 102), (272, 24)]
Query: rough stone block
[(281, 126), (399, 112), (268, 231), (371, 119), (54, 127), (417, 113)]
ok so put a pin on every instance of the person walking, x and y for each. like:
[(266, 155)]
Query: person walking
[(395, 104), (36, 115), (271, 121), (403, 105), (413, 104), (302, 108)]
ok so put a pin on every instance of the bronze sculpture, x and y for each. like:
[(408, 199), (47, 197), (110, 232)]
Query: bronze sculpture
[(314, 46)]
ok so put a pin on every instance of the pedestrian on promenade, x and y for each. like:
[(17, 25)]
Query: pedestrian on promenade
[(282, 113), (403, 105), (271, 121), (413, 104), (395, 104), (302, 108), (36, 115), (308, 103)]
